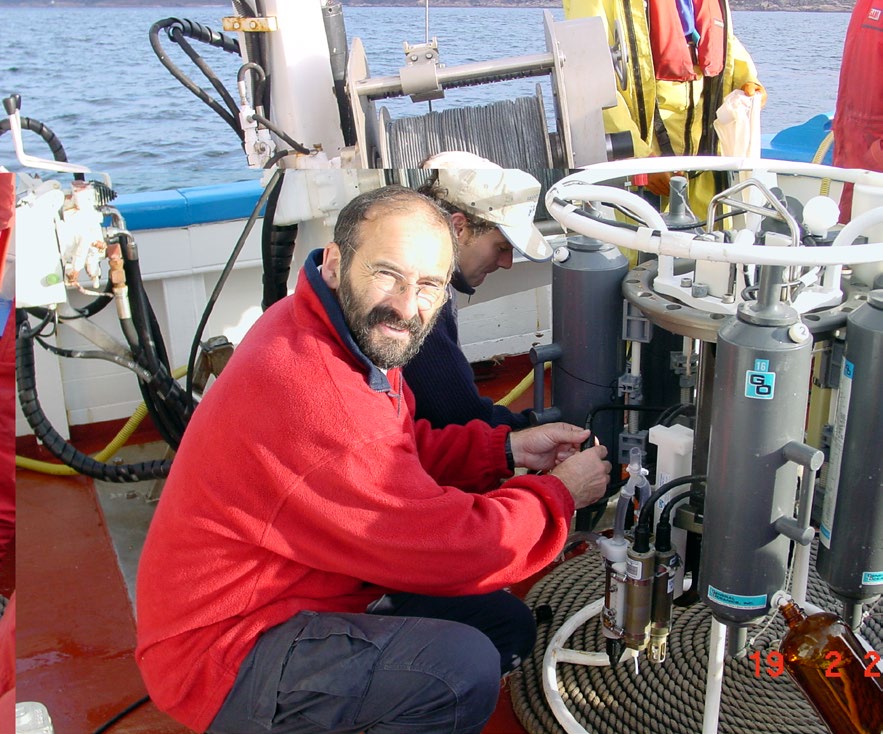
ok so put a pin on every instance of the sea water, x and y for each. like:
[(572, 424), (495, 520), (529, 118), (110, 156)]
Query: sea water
[(91, 76)]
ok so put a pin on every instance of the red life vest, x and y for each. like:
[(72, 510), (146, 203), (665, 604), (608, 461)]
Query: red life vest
[(676, 59)]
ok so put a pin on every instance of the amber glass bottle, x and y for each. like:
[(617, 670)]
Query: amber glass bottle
[(838, 676)]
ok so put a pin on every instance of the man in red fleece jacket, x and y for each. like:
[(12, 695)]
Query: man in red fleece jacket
[(319, 561)]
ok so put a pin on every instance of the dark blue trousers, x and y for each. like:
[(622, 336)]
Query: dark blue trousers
[(410, 664)]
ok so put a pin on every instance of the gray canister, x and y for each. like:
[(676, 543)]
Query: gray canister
[(850, 558), (587, 307), (759, 398)]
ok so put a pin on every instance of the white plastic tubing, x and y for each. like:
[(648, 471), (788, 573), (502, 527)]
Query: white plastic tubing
[(583, 186), (555, 654)]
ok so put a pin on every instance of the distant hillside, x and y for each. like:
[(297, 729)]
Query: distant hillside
[(792, 5), (803, 6)]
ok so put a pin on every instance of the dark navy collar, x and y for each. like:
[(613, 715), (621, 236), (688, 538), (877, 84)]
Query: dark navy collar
[(459, 283), (377, 380)]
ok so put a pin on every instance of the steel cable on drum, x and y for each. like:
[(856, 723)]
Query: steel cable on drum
[(510, 132), (666, 698)]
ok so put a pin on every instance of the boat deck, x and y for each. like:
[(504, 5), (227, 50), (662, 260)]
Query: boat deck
[(78, 545)]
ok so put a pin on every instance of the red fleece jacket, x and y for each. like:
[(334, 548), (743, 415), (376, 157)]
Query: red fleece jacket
[(303, 482)]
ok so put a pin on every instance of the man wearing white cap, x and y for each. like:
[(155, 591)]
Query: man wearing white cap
[(492, 210)]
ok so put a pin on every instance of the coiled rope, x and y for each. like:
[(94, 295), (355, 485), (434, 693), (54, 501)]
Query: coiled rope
[(666, 698)]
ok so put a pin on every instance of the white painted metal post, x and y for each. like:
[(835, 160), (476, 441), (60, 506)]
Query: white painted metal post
[(303, 102), (714, 681)]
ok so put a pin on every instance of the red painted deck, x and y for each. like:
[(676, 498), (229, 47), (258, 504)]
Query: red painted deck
[(76, 631)]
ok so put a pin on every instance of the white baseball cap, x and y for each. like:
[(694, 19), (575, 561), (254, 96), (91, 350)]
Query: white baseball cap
[(506, 197)]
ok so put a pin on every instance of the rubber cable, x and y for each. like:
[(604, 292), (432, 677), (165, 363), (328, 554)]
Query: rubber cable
[(116, 718), (222, 279), (206, 35)]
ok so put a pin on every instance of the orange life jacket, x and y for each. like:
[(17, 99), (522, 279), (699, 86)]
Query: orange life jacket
[(677, 58)]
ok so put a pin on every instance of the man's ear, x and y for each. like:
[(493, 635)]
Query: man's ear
[(460, 223), (331, 265)]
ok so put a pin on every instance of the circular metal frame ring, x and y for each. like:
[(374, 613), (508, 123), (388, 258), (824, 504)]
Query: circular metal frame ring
[(679, 318)]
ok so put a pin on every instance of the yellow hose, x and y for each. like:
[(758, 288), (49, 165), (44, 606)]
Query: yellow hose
[(63, 470), (517, 391), (819, 156), (118, 441)]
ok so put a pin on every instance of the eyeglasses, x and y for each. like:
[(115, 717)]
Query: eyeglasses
[(391, 283)]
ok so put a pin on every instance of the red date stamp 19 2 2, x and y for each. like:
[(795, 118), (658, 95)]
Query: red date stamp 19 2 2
[(773, 664)]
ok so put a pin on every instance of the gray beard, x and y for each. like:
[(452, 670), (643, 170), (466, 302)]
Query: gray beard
[(383, 352)]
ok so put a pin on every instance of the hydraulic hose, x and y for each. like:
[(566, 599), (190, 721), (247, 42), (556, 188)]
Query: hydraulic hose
[(335, 33), (176, 33), (106, 453), (254, 50), (198, 32), (90, 309), (256, 116), (165, 399), (54, 441), (119, 716), (118, 441), (277, 251), (270, 125), (177, 29)]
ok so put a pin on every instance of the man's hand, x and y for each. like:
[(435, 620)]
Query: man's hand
[(586, 475), (752, 88), (543, 447), (658, 183), (556, 446)]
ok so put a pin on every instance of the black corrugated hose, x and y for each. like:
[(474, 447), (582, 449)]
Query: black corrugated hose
[(54, 441), (166, 401), (177, 29), (277, 251)]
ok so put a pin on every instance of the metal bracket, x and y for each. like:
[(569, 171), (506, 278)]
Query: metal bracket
[(420, 74), (629, 384), (215, 354), (636, 327), (679, 363), (250, 25)]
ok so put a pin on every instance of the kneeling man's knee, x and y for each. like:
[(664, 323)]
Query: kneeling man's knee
[(448, 682)]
